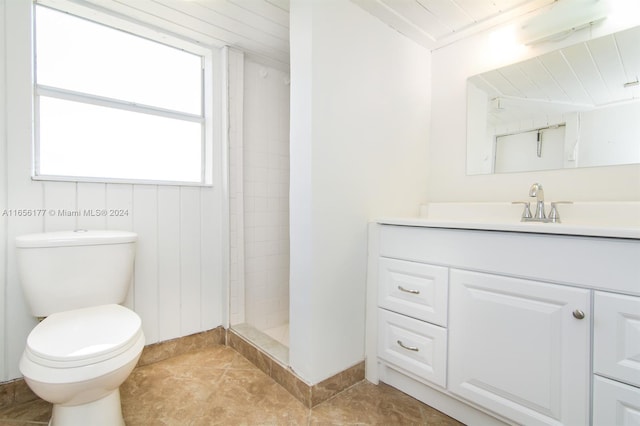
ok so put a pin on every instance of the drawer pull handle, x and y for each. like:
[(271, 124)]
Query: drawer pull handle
[(409, 348), (408, 291), (578, 314)]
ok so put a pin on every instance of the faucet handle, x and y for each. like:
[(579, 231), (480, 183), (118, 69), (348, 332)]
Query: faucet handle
[(554, 216), (526, 214)]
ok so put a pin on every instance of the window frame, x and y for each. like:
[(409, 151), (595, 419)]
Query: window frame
[(137, 29)]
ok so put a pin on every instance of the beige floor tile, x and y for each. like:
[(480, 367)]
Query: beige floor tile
[(368, 404), (26, 413), (217, 386)]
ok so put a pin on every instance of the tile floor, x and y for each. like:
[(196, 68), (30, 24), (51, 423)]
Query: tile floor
[(217, 386)]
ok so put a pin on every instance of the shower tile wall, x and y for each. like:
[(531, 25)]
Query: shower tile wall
[(260, 203)]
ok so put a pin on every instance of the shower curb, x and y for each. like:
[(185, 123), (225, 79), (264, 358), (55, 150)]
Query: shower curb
[(310, 395)]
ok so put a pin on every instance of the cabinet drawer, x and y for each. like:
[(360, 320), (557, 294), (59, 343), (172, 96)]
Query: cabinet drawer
[(414, 289), (616, 336), (415, 346), (615, 403)]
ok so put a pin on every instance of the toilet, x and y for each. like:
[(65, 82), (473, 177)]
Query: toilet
[(87, 344)]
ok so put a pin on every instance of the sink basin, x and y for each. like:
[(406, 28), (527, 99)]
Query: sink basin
[(601, 219)]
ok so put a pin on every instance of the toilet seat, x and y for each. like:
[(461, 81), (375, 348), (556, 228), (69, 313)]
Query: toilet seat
[(82, 337)]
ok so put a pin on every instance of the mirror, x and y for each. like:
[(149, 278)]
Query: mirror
[(578, 106)]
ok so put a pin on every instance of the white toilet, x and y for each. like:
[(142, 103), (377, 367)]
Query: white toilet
[(88, 344)]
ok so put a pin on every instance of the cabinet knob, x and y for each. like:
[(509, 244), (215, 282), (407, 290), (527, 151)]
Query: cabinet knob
[(578, 314)]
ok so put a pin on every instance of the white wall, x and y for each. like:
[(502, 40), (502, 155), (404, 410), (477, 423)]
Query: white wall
[(359, 132), (447, 178), (180, 264)]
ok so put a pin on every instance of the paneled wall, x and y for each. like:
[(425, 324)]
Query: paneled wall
[(177, 282), (181, 262)]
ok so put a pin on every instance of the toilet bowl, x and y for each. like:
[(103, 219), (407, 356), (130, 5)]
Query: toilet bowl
[(88, 344), (78, 359)]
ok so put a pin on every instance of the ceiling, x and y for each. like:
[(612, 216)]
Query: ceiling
[(436, 23), (261, 27), (257, 27)]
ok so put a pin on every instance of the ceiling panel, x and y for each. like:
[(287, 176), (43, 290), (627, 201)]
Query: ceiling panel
[(481, 10), (587, 72), (271, 11), (450, 15), (501, 86), (562, 73), (419, 15), (547, 87), (627, 42), (525, 88), (435, 23), (609, 63)]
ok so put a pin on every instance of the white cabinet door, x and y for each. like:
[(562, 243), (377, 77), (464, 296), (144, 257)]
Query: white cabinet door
[(615, 404), (516, 348), (616, 337), (414, 289), (416, 347)]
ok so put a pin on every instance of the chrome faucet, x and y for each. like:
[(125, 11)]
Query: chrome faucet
[(540, 216), (537, 191)]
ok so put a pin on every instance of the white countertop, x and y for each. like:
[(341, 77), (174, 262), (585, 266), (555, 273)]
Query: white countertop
[(536, 228), (601, 219)]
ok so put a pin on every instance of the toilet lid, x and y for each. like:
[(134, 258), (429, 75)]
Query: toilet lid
[(83, 336)]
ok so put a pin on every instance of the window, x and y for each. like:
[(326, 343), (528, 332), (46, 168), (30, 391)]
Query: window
[(111, 105)]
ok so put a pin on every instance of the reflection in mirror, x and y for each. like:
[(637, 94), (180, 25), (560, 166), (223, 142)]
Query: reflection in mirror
[(575, 107)]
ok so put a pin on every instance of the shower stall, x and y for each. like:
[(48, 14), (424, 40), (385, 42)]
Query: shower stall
[(259, 211)]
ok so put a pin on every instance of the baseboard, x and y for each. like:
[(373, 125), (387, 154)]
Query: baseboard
[(181, 345), (310, 395)]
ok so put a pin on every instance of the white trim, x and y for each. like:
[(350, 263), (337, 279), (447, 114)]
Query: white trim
[(132, 181), (70, 95)]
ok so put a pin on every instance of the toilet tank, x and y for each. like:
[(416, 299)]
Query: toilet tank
[(60, 271)]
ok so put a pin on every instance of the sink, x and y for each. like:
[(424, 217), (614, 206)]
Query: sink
[(602, 219)]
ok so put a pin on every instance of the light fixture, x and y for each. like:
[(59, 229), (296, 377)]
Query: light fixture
[(632, 83), (563, 18)]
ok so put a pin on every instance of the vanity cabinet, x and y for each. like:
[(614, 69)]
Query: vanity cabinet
[(616, 359), (496, 327), (520, 347)]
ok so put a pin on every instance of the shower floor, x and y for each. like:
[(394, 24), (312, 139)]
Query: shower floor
[(274, 341)]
